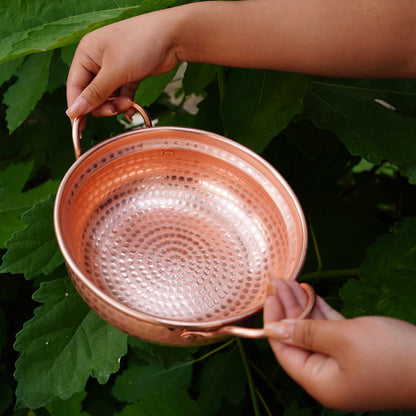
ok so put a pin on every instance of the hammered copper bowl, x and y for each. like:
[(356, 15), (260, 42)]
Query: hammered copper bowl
[(171, 234)]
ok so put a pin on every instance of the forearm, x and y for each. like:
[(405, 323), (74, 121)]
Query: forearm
[(350, 38)]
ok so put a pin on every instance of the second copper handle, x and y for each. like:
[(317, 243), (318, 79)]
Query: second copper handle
[(255, 333)]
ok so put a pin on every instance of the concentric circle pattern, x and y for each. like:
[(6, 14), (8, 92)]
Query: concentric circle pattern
[(178, 233)]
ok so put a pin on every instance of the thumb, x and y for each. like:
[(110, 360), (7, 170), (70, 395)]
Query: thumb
[(92, 96), (309, 334)]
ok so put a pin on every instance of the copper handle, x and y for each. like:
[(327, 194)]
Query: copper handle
[(76, 136), (189, 336)]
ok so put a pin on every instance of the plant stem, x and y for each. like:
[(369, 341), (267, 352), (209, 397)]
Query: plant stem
[(268, 382), (214, 351), (249, 377), (328, 274), (315, 246), (263, 402), (221, 81)]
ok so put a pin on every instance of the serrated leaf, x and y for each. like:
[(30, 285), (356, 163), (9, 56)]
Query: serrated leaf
[(365, 119), (149, 375), (34, 250), (13, 202), (70, 407), (267, 102), (58, 72), (151, 87), (170, 403), (62, 346), (387, 283), (22, 96), (222, 376), (8, 69), (35, 26)]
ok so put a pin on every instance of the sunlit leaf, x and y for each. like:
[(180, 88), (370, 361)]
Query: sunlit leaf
[(62, 346), (150, 88), (35, 26)]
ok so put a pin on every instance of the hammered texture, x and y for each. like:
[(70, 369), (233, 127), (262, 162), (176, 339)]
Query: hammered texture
[(179, 230)]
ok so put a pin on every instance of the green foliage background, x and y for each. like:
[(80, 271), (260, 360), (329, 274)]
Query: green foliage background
[(347, 147)]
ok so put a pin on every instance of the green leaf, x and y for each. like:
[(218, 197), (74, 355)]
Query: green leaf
[(267, 102), (34, 250), (35, 26), (8, 69), (387, 283), (62, 345), (170, 403), (70, 407), (222, 376), (13, 202), (58, 72), (148, 375), (359, 114), (22, 96), (151, 87), (169, 356), (198, 76)]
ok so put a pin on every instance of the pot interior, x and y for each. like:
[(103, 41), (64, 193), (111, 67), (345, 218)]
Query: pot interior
[(179, 231)]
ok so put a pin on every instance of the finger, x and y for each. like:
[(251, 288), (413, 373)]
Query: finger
[(78, 78), (117, 105), (292, 297), (129, 90), (273, 310), (93, 95), (298, 293), (323, 336), (326, 311), (105, 110)]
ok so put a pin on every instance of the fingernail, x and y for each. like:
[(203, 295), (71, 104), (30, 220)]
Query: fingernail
[(273, 285), (108, 112), (270, 290), (78, 108), (282, 330)]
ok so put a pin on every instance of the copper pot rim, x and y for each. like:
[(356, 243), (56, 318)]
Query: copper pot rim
[(157, 320)]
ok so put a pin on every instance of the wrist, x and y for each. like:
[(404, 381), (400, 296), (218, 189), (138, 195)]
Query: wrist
[(213, 32)]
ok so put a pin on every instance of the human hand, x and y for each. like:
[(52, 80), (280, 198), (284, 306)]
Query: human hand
[(365, 363), (116, 58)]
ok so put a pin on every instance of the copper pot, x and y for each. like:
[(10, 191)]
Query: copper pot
[(171, 234)]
